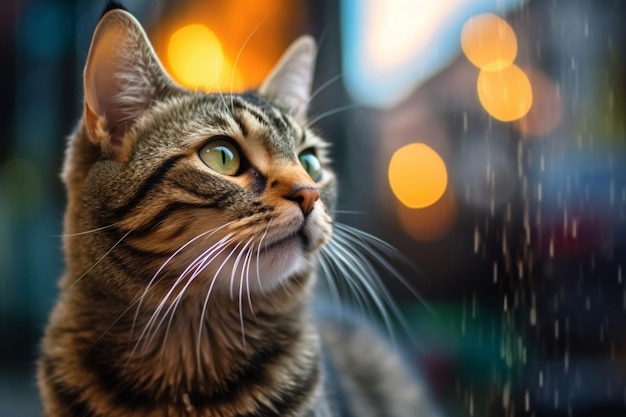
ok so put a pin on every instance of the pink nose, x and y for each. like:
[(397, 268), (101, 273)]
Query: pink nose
[(305, 197)]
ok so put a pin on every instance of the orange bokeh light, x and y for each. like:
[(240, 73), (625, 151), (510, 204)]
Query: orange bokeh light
[(505, 94), (251, 36), (197, 61), (546, 112), (417, 175), (489, 42), (432, 222)]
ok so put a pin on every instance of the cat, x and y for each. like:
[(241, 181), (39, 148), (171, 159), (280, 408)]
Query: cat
[(193, 230)]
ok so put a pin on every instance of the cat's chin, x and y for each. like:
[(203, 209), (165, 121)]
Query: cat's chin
[(235, 272), (281, 262)]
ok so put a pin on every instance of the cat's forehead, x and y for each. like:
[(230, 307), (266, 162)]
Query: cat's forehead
[(249, 118)]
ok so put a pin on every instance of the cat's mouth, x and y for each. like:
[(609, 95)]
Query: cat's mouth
[(297, 237)]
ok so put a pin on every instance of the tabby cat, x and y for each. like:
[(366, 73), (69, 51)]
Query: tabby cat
[(192, 235)]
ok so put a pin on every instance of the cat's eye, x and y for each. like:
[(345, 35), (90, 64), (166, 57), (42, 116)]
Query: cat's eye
[(222, 156), (311, 165)]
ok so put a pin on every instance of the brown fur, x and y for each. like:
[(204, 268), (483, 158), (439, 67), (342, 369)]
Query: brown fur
[(186, 291)]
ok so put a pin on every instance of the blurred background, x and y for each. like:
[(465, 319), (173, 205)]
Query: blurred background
[(485, 139)]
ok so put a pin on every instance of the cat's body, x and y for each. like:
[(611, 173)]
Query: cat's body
[(192, 230)]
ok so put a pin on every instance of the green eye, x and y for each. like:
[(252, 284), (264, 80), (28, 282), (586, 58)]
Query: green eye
[(221, 156), (311, 165)]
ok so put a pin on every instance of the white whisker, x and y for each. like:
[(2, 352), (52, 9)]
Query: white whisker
[(241, 320), (347, 212), (217, 249), (206, 302), (246, 264), (331, 112), (162, 267), (329, 278), (235, 265), (150, 330), (362, 276), (366, 240), (232, 74), (258, 255), (86, 232), (322, 87), (352, 254), (98, 261)]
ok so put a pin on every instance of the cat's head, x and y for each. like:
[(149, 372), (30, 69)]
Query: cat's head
[(229, 189)]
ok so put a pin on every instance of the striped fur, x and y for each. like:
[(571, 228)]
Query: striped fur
[(187, 292)]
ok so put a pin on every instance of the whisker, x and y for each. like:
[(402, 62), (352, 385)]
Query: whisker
[(201, 321), (258, 254), (98, 261), (232, 73), (241, 320), (86, 232), (206, 301), (217, 83), (112, 324), (348, 212), (236, 264), (156, 274), (322, 87), (361, 275), (361, 250), (343, 270), (329, 276), (361, 238), (332, 112), (218, 248), (246, 264), (149, 331)]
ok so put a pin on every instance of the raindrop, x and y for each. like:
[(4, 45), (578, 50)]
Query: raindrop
[(476, 239), (556, 329), (506, 395), (495, 272), (526, 401), (556, 398)]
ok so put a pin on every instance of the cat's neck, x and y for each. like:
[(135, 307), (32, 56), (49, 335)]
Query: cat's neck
[(196, 357)]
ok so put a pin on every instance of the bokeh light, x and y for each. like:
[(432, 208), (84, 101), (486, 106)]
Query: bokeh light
[(197, 61), (432, 222), (505, 94), (417, 175), (546, 112), (250, 36), (489, 42)]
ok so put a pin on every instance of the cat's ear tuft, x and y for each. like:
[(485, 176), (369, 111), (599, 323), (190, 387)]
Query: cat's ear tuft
[(289, 83), (112, 5), (122, 77)]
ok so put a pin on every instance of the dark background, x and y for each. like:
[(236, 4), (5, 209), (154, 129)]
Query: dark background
[(524, 309)]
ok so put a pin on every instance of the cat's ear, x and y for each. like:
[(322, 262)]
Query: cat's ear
[(122, 77), (289, 83)]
